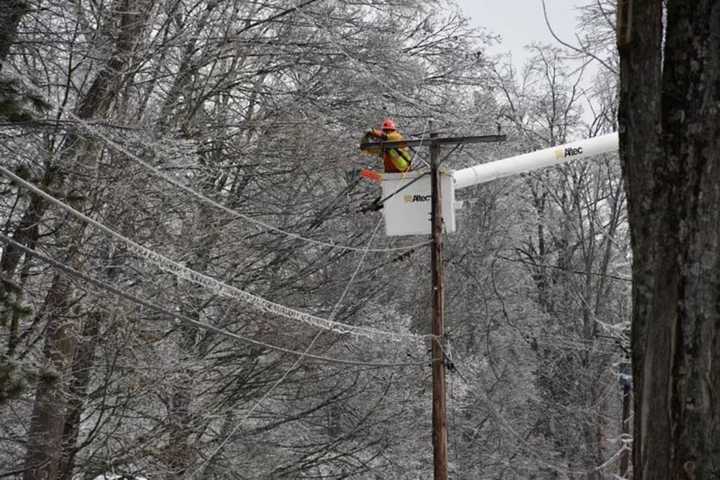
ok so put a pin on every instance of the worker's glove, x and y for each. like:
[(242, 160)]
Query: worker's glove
[(376, 134)]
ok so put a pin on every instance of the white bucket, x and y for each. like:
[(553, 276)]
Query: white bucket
[(407, 211)]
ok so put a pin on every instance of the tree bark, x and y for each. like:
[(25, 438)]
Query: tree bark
[(82, 366), (46, 424), (45, 451), (669, 143)]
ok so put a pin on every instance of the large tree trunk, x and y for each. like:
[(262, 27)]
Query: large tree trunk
[(180, 453), (670, 144), (46, 424), (45, 451), (82, 366)]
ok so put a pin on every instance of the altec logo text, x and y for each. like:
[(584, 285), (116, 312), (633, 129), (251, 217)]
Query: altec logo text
[(568, 152), (416, 198)]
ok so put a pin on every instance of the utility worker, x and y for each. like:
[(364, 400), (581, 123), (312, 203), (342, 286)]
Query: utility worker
[(395, 159)]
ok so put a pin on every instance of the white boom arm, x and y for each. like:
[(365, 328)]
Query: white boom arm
[(581, 149)]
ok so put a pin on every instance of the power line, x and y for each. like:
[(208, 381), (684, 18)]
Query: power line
[(213, 284), (211, 328)]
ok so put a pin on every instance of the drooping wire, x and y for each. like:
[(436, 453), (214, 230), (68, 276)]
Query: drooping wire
[(69, 271), (213, 284)]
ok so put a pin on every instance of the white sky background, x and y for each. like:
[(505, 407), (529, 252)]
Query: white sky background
[(521, 22)]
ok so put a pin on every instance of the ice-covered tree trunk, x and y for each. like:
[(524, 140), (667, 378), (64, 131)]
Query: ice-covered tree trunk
[(45, 437), (670, 139), (82, 366)]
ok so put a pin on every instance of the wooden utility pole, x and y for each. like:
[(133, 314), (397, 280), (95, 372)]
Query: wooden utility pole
[(439, 413), (439, 407)]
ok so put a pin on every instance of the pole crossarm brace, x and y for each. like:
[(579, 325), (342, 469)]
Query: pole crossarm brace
[(435, 141)]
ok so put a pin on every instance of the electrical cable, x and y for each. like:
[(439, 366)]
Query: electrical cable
[(211, 328), (213, 284)]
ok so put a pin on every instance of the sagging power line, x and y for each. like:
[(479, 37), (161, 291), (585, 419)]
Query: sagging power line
[(69, 271), (213, 284)]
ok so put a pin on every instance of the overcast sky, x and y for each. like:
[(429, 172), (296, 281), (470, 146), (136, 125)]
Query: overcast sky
[(521, 22)]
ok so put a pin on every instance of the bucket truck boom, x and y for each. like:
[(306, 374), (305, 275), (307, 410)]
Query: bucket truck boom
[(506, 167), (407, 205)]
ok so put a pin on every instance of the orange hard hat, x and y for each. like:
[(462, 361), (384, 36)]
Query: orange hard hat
[(388, 124)]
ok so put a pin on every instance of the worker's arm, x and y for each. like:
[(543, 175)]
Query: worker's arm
[(372, 148)]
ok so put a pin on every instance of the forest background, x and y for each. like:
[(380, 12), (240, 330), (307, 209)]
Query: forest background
[(190, 286)]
